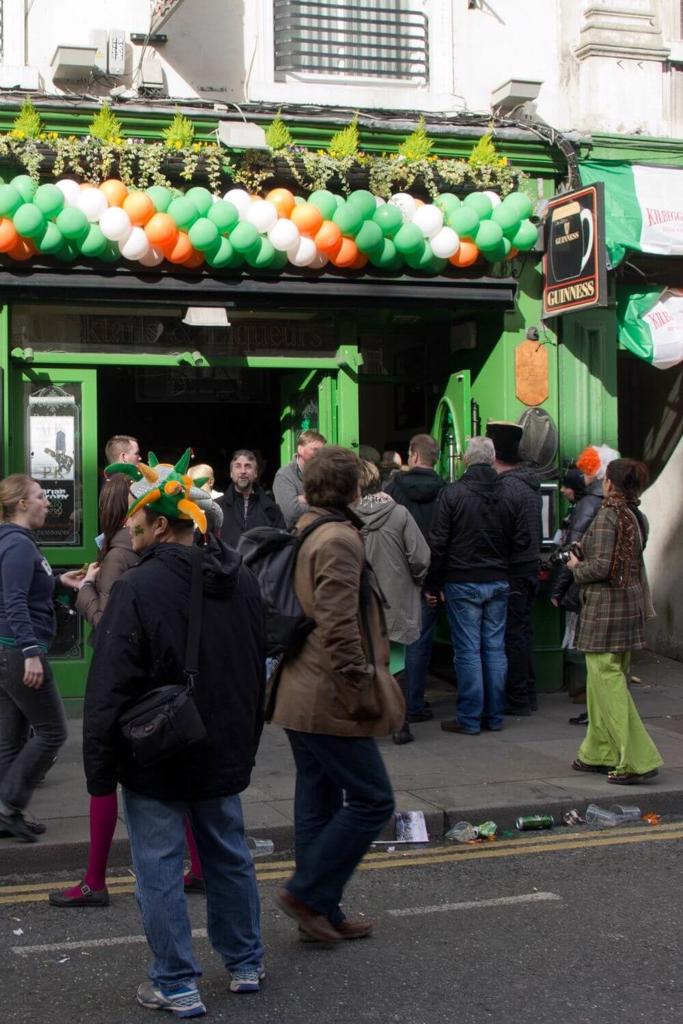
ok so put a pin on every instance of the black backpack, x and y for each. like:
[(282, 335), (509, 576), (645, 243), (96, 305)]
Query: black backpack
[(271, 555)]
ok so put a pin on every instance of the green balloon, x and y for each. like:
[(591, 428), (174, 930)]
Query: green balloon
[(111, 253), (50, 200), (94, 243), (436, 265), (464, 221), (279, 260), (202, 199), (183, 211), (365, 201), (262, 258), (245, 238), (498, 252), (339, 200), (385, 257), (51, 240), (223, 255), (324, 201), (488, 236), (369, 237), (161, 196), (507, 217), (68, 252), (480, 203), (420, 258), (72, 223), (409, 239), (526, 237), (203, 234), (29, 221), (520, 203), (348, 219), (447, 202), (389, 218), (10, 200), (224, 215), (299, 200), (25, 186)]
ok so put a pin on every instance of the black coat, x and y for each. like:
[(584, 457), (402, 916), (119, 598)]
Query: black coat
[(261, 511), (474, 532), (418, 489), (140, 645), (582, 515), (522, 488)]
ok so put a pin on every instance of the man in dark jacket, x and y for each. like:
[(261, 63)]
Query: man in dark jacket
[(418, 489), (523, 489), (471, 540), (141, 645), (245, 504)]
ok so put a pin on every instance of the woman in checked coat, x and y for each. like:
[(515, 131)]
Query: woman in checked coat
[(614, 604)]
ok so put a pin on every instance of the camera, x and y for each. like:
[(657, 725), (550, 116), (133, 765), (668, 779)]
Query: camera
[(563, 554)]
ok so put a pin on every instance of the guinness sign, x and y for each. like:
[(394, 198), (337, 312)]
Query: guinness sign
[(574, 262)]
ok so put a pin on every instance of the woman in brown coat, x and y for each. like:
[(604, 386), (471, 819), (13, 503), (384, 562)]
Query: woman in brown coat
[(334, 696), (613, 607)]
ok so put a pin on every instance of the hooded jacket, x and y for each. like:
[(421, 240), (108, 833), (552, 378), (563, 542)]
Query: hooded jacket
[(522, 488), (399, 556), (27, 615), (582, 515), (418, 489), (474, 532), (261, 511), (140, 645)]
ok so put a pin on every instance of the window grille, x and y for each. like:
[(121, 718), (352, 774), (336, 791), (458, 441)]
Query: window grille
[(360, 38)]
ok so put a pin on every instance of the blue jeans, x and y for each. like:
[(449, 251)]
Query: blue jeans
[(332, 834), (25, 760), (476, 615), (418, 655), (157, 839)]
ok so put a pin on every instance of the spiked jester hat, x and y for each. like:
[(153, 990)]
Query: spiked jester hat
[(163, 488)]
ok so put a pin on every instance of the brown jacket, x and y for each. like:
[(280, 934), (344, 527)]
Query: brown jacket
[(331, 685), (92, 599)]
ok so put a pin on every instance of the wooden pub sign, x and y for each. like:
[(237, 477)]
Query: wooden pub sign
[(574, 266)]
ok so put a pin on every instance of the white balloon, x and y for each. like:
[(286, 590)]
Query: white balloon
[(319, 261), (92, 202), (405, 203), (153, 257), (135, 246), (115, 224), (239, 198), (303, 253), (70, 189), (494, 197), (445, 243), (262, 214), (379, 201), (284, 235), (429, 219)]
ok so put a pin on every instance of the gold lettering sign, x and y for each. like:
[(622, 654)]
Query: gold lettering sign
[(531, 372)]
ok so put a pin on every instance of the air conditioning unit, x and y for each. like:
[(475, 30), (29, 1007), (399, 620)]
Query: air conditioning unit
[(20, 76), (152, 75), (73, 62)]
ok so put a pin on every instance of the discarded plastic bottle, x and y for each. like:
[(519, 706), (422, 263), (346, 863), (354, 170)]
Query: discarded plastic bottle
[(626, 812), (487, 830), (260, 847), (462, 832), (601, 817), (534, 822)]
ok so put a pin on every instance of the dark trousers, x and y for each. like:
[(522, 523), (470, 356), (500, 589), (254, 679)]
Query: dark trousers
[(342, 799), (519, 643), (24, 762)]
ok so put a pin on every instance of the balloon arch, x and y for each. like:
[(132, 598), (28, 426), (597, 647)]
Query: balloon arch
[(68, 220)]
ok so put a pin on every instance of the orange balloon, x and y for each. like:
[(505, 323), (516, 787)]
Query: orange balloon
[(22, 249), (513, 252), (139, 208), (87, 184), (161, 229), (283, 201), (419, 202), (307, 218), (328, 238), (360, 261), (181, 250), (114, 190), (8, 235), (467, 254), (194, 260), (346, 254)]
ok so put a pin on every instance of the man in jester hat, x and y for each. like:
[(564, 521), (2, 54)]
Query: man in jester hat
[(141, 645)]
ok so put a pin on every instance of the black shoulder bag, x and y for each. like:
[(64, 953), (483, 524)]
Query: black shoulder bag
[(166, 722)]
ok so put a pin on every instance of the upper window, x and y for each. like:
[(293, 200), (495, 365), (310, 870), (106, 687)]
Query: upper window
[(354, 38)]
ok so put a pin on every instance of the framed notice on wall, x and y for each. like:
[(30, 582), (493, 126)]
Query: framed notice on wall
[(53, 430), (574, 265)]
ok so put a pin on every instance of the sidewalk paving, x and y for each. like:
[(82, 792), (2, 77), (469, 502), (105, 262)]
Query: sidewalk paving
[(524, 769)]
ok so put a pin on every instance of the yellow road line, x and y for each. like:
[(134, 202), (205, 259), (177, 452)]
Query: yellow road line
[(280, 870)]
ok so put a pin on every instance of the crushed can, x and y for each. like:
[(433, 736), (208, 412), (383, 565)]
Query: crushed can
[(534, 822)]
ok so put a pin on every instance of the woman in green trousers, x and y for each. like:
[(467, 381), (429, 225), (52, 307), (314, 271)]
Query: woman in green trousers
[(614, 605)]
